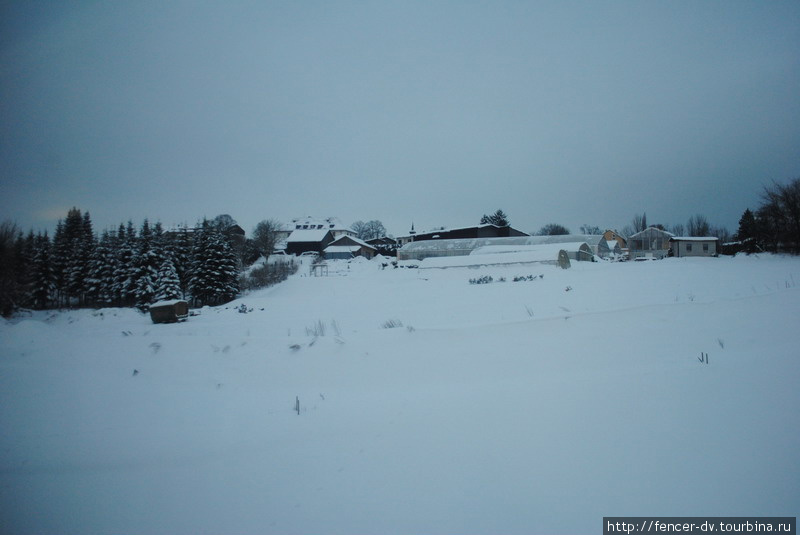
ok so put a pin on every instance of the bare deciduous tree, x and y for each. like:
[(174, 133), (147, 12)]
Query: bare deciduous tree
[(778, 219), (369, 230), (698, 226), (265, 236), (590, 229), (639, 222), (374, 229), (553, 229), (223, 222), (359, 227)]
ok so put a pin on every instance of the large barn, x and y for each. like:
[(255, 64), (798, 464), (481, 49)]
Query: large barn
[(302, 241), (486, 230)]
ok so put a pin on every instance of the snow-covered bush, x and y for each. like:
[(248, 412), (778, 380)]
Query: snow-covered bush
[(267, 275), (522, 278)]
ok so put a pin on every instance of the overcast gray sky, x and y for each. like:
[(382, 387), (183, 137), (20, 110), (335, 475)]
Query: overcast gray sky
[(434, 112)]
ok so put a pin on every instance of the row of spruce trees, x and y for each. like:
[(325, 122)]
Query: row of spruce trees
[(126, 267)]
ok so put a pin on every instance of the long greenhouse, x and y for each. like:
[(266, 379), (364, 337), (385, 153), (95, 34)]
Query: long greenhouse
[(419, 250)]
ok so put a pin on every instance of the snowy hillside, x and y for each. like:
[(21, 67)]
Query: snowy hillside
[(427, 404)]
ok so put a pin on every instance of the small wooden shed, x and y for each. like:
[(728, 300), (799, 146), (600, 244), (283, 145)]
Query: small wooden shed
[(169, 311)]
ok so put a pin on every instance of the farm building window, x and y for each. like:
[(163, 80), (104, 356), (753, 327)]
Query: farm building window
[(688, 247), (705, 247)]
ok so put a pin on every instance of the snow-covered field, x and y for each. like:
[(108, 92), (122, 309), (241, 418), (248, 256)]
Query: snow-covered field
[(427, 404)]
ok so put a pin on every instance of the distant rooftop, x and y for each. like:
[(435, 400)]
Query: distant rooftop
[(310, 223)]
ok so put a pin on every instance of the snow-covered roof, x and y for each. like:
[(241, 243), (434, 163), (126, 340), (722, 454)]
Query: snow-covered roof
[(315, 235), (694, 238), (544, 248), (351, 238), (342, 249), (451, 229), (615, 233), (468, 244), (318, 223), (544, 253), (650, 231), (168, 303)]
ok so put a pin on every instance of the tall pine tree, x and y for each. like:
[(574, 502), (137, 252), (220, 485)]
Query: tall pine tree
[(43, 286), (168, 284), (102, 266), (214, 273), (72, 249), (59, 257), (145, 268), (124, 286), (748, 232), (180, 246)]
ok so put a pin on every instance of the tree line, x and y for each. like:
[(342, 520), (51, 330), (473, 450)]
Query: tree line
[(775, 225), (126, 267)]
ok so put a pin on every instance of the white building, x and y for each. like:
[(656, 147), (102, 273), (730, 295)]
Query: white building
[(694, 246)]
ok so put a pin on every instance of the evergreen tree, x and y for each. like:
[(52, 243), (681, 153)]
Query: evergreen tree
[(168, 285), (499, 219), (75, 268), (42, 288), (23, 256), (124, 286), (159, 240), (215, 276), (748, 232), (73, 245), (180, 249), (198, 283), (101, 270), (59, 256), (145, 268), (10, 291)]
